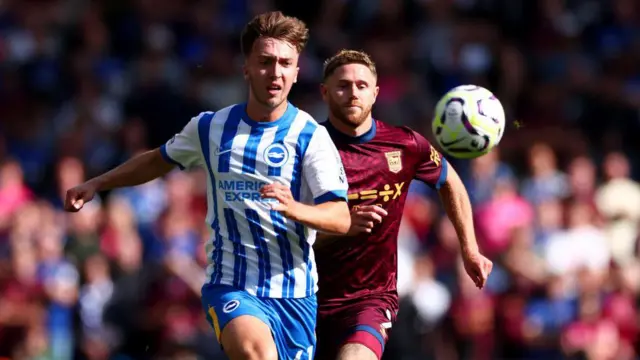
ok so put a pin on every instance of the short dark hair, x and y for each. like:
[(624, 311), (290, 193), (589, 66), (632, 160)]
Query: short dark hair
[(275, 25), (346, 57)]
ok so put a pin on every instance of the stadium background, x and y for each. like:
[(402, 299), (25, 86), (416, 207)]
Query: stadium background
[(86, 84)]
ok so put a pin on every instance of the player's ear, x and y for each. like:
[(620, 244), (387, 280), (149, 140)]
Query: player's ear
[(323, 91), (375, 93), (245, 69), (295, 78)]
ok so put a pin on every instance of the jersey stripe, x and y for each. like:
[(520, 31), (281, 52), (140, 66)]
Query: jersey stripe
[(240, 265), (281, 133), (262, 249), (301, 148), (204, 128), (251, 150), (228, 133), (289, 281)]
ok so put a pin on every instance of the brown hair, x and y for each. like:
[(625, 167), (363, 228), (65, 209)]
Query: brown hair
[(275, 25), (346, 57)]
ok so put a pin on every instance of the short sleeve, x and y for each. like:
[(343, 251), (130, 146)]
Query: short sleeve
[(432, 166), (183, 149), (323, 169)]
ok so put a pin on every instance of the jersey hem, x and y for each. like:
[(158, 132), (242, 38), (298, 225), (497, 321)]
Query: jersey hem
[(255, 294)]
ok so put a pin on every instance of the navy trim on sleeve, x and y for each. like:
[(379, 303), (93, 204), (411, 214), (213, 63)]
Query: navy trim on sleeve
[(167, 158), (330, 196), (443, 174)]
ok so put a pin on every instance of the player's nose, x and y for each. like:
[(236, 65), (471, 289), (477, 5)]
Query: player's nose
[(354, 92), (276, 71), (273, 72)]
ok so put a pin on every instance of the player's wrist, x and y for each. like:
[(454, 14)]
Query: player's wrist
[(293, 210), (469, 249), (97, 183)]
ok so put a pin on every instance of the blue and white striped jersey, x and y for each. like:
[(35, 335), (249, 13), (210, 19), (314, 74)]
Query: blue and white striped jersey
[(253, 247)]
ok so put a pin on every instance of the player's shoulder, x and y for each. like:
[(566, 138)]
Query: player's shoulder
[(305, 119), (227, 113), (210, 115), (310, 126), (302, 115)]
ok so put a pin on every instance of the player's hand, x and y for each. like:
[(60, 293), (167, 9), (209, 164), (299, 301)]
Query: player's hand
[(364, 218), (78, 196), (280, 192), (477, 267)]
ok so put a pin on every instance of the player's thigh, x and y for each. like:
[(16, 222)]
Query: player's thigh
[(248, 338), (241, 323), (356, 351), (365, 324), (294, 331)]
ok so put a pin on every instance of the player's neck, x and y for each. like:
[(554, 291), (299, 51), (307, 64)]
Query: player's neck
[(261, 113), (351, 131)]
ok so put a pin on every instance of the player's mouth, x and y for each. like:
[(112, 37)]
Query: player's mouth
[(274, 89)]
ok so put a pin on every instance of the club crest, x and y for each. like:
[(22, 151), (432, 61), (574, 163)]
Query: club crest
[(394, 160)]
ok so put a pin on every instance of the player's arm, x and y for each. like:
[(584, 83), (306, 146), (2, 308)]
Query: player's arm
[(330, 217), (183, 150), (434, 170), (457, 205), (138, 170), (363, 220), (323, 172)]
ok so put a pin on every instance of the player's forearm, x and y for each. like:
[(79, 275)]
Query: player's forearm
[(331, 217), (137, 170), (458, 208)]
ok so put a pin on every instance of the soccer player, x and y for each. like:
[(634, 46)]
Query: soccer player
[(275, 177), (358, 299)]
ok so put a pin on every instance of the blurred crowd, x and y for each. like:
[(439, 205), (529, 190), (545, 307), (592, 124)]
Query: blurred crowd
[(566, 277), (84, 85)]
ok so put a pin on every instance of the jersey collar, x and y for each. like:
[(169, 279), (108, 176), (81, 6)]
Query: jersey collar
[(361, 139), (285, 119)]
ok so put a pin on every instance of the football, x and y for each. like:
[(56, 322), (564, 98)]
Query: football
[(468, 122)]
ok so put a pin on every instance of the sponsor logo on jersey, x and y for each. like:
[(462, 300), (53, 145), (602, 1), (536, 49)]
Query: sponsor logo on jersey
[(219, 151), (435, 156), (240, 190), (387, 193)]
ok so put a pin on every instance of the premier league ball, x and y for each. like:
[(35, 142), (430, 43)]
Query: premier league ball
[(469, 121)]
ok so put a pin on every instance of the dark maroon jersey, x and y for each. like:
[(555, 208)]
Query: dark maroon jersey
[(380, 166)]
